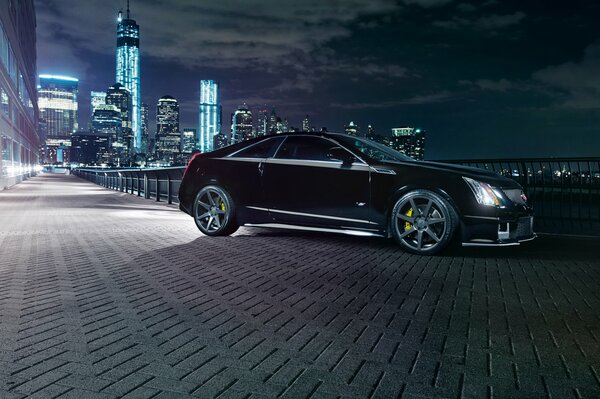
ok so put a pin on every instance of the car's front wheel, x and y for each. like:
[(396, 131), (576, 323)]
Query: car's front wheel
[(214, 211), (423, 222)]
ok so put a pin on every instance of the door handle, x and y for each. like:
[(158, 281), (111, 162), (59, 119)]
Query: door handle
[(261, 167)]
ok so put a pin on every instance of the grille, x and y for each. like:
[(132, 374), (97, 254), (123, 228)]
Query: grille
[(524, 228)]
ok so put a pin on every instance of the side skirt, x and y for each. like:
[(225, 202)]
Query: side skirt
[(317, 229)]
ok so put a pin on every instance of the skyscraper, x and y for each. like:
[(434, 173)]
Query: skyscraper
[(262, 127), (128, 71), (120, 97), (107, 122), (57, 99), (209, 124), (409, 140), (97, 98), (272, 123), (352, 129), (19, 139), (168, 136), (144, 125), (306, 124), (241, 125), (188, 140)]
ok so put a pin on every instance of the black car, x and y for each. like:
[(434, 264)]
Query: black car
[(345, 184)]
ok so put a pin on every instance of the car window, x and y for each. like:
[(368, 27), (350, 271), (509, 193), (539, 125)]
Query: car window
[(263, 149), (307, 148), (373, 150)]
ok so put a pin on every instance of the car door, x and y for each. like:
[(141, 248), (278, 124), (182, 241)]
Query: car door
[(243, 170), (306, 184)]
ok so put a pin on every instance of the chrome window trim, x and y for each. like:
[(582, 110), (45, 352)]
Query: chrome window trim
[(314, 215), (240, 159), (323, 164), (232, 155)]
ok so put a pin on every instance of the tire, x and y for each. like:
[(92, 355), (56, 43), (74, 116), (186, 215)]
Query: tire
[(214, 212), (423, 222)]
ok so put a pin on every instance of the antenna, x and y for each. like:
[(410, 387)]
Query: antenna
[(127, 9)]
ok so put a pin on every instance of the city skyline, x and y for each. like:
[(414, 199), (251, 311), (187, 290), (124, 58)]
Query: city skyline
[(490, 73)]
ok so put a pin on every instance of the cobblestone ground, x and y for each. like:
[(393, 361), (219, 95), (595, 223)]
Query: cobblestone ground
[(105, 295)]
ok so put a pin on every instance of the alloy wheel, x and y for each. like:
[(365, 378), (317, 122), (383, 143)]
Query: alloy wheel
[(420, 223)]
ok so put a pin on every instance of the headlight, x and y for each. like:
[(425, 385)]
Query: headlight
[(484, 193)]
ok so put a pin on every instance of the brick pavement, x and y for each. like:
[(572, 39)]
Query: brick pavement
[(106, 295)]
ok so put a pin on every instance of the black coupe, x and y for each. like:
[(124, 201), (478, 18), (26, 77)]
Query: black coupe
[(345, 184)]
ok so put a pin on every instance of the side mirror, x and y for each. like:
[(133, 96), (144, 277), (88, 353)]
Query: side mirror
[(339, 154)]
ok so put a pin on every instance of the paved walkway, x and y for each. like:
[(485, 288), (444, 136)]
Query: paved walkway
[(105, 295)]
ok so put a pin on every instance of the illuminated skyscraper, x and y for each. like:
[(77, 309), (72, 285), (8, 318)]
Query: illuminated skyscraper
[(120, 97), (188, 140), (262, 127), (128, 70), (352, 129), (306, 124), (57, 99), (97, 98), (144, 125), (209, 124), (241, 125), (168, 136)]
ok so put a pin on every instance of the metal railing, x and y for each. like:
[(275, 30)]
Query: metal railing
[(565, 192), (158, 184)]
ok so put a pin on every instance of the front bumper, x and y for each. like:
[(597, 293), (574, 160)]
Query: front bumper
[(506, 229)]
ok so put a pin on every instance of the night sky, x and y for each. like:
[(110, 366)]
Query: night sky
[(486, 79)]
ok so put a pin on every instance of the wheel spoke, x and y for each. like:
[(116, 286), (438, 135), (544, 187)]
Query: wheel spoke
[(420, 239), (220, 212), (210, 222), (210, 198), (204, 205), (435, 220), (432, 235), (414, 206), (427, 208), (217, 222), (204, 215), (407, 232), (407, 218)]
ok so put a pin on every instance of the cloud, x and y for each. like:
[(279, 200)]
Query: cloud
[(490, 22), (501, 85), (422, 99), (579, 81), (230, 34), (427, 3)]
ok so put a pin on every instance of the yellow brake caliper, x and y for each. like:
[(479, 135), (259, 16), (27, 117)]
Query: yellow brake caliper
[(222, 206), (407, 225)]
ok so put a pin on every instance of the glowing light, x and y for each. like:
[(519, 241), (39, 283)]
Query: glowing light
[(59, 77)]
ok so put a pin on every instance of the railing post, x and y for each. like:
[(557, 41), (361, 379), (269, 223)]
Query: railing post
[(169, 201), (157, 189), (146, 191)]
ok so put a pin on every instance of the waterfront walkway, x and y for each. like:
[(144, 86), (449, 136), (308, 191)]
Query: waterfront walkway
[(107, 295)]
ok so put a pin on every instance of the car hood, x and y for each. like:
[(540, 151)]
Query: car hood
[(467, 171)]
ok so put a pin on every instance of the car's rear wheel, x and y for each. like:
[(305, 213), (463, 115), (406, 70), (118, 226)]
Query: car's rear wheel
[(214, 211), (423, 222)]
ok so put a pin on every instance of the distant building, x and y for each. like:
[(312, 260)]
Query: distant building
[(97, 98), (90, 148), (262, 125), (57, 99), (209, 124), (168, 136), (272, 123), (128, 72), (19, 114), (352, 129), (144, 125), (409, 140), (220, 141), (107, 122), (306, 124), (119, 96), (188, 140), (241, 125)]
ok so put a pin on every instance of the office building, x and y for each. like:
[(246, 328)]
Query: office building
[(409, 140), (352, 129), (128, 71), (119, 96), (262, 125), (19, 115), (144, 126), (209, 124), (306, 124), (241, 125), (90, 148), (168, 136), (97, 98), (188, 140)]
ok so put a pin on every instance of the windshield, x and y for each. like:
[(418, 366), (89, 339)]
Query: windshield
[(373, 150)]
